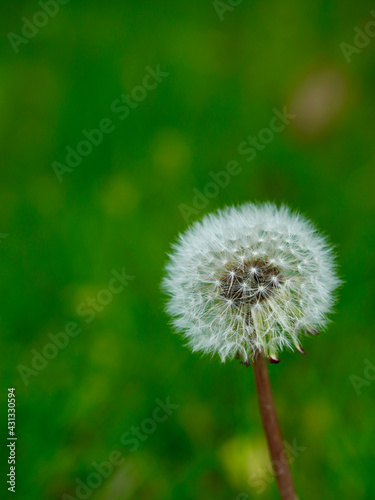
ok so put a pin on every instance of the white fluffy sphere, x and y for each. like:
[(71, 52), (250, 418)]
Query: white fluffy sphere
[(248, 279)]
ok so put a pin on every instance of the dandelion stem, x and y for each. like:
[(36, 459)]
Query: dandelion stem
[(272, 430)]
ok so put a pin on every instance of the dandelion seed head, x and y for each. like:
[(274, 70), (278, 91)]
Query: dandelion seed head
[(228, 296)]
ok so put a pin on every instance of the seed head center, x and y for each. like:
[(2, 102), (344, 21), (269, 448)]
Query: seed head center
[(250, 282)]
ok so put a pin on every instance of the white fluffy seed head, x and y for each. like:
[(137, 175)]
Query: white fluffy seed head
[(250, 279)]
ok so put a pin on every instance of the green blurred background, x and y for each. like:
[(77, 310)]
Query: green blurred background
[(121, 207)]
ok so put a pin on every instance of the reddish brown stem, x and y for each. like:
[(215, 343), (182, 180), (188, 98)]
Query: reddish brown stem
[(272, 431)]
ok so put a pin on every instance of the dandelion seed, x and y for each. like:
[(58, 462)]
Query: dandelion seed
[(281, 293)]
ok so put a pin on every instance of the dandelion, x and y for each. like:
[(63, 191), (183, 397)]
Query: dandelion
[(247, 282)]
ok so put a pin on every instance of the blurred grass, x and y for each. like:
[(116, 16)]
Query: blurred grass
[(120, 207)]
